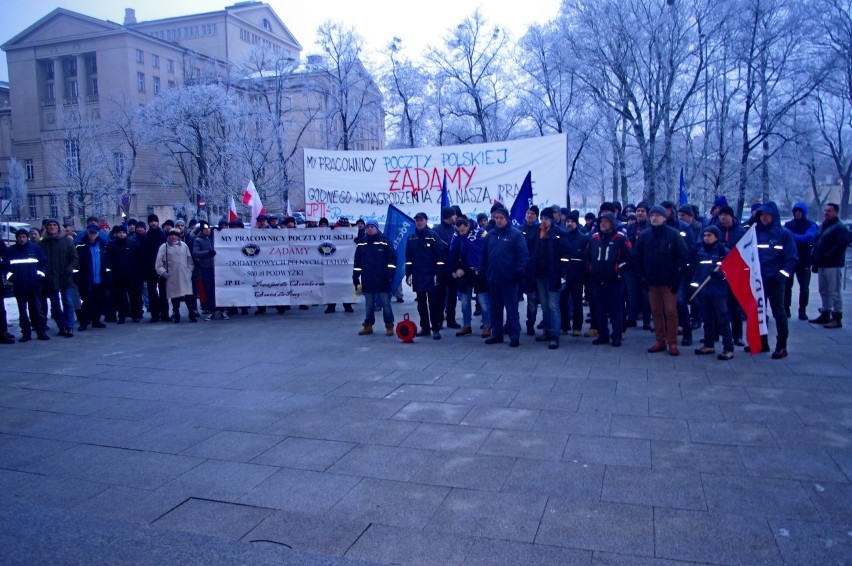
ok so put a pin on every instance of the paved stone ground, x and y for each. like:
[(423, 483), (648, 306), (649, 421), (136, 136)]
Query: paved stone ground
[(291, 439)]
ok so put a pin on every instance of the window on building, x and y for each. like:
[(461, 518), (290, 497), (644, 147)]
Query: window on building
[(51, 91), (72, 199), (73, 89), (140, 56), (48, 69), (170, 65), (93, 64), (156, 85), (172, 84), (72, 155), (140, 82), (72, 67), (118, 163), (94, 87), (30, 169), (31, 201), (267, 25), (155, 61), (54, 206)]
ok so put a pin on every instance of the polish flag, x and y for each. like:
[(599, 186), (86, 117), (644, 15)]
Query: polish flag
[(232, 209), (252, 199), (742, 270)]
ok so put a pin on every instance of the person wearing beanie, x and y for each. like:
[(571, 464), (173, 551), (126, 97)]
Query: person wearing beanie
[(92, 278), (121, 254), (58, 288), (447, 285), (548, 257), (482, 219), (464, 259), (27, 267), (425, 257), (720, 202), (530, 231), (608, 255), (158, 304), (588, 222), (804, 233), (174, 264), (505, 258), (713, 290), (828, 262), (373, 274), (661, 260), (571, 296)]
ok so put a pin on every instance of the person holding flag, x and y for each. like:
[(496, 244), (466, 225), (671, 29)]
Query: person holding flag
[(709, 283)]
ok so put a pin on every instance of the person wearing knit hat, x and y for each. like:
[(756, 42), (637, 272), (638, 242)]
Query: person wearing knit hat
[(576, 242), (709, 282), (158, 303), (547, 261), (530, 231), (425, 254), (374, 271), (446, 229), (609, 253), (505, 258)]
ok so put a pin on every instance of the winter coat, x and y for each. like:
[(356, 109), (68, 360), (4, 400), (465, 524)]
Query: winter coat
[(446, 232), (505, 256), (731, 235), (804, 234), (154, 238), (530, 232), (661, 256), (576, 243), (122, 259), (174, 262), (607, 255), (708, 259), (466, 254), (549, 257), (27, 265), (203, 251), (425, 257), (93, 266), (375, 264), (830, 246), (776, 248), (62, 260)]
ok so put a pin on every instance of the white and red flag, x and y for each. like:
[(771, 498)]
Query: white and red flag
[(252, 199), (742, 270), (232, 209)]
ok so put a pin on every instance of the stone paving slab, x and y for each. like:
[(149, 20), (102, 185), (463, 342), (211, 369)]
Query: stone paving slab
[(438, 452)]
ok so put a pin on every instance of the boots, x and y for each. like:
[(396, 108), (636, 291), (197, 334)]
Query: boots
[(464, 331), (388, 329), (367, 329), (486, 331), (823, 318), (836, 320), (802, 314)]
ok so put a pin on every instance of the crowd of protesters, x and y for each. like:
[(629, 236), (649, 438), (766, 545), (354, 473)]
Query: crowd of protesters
[(654, 264)]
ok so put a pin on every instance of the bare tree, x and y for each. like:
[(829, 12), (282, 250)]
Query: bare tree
[(405, 84), (17, 189), (124, 122)]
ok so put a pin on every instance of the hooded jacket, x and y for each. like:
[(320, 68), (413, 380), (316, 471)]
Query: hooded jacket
[(709, 257), (804, 234), (776, 248)]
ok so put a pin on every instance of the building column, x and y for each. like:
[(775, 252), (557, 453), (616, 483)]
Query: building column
[(58, 81), (82, 87)]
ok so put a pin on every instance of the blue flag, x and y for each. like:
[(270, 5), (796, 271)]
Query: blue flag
[(682, 199), (522, 202), (398, 227), (445, 198)]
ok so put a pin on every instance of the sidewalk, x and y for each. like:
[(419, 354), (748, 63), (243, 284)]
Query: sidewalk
[(290, 439)]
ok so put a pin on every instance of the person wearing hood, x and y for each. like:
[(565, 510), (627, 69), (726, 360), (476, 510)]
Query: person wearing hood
[(425, 256), (504, 260), (718, 204), (375, 267), (27, 267), (804, 233), (713, 296), (777, 254), (607, 257), (174, 264), (828, 259)]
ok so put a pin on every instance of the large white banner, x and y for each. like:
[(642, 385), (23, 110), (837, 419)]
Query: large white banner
[(361, 184), (284, 267)]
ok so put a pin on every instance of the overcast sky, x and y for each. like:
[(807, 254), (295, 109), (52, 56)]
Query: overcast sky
[(417, 24)]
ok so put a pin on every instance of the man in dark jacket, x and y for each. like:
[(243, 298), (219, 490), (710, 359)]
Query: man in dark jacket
[(530, 230), (121, 254), (828, 258), (375, 266), (548, 262), (804, 233), (203, 252), (683, 293), (27, 266), (158, 304), (661, 258), (714, 295), (465, 257), (58, 286), (576, 275), (504, 259), (5, 336), (425, 257), (92, 278), (446, 284), (730, 233), (607, 256), (776, 251)]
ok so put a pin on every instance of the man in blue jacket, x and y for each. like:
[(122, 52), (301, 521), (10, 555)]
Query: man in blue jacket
[(777, 254), (425, 257), (504, 259), (27, 266), (804, 233), (375, 266)]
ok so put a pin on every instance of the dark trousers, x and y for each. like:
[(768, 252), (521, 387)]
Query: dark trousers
[(609, 307), (120, 292), (571, 306), (803, 276), (633, 287), (593, 308), (683, 320), (774, 291), (450, 291), (504, 296), (134, 296), (158, 303), (29, 310), (716, 322), (208, 279), (735, 313), (430, 307), (93, 303)]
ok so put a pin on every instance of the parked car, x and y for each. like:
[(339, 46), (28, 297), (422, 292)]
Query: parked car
[(8, 229)]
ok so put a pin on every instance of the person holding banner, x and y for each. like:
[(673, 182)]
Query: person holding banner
[(375, 266), (709, 283), (425, 256), (504, 260)]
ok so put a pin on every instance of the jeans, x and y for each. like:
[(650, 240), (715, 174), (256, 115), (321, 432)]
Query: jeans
[(504, 296), (370, 308), (549, 300), (532, 308), (466, 297), (484, 308), (61, 307), (829, 279)]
